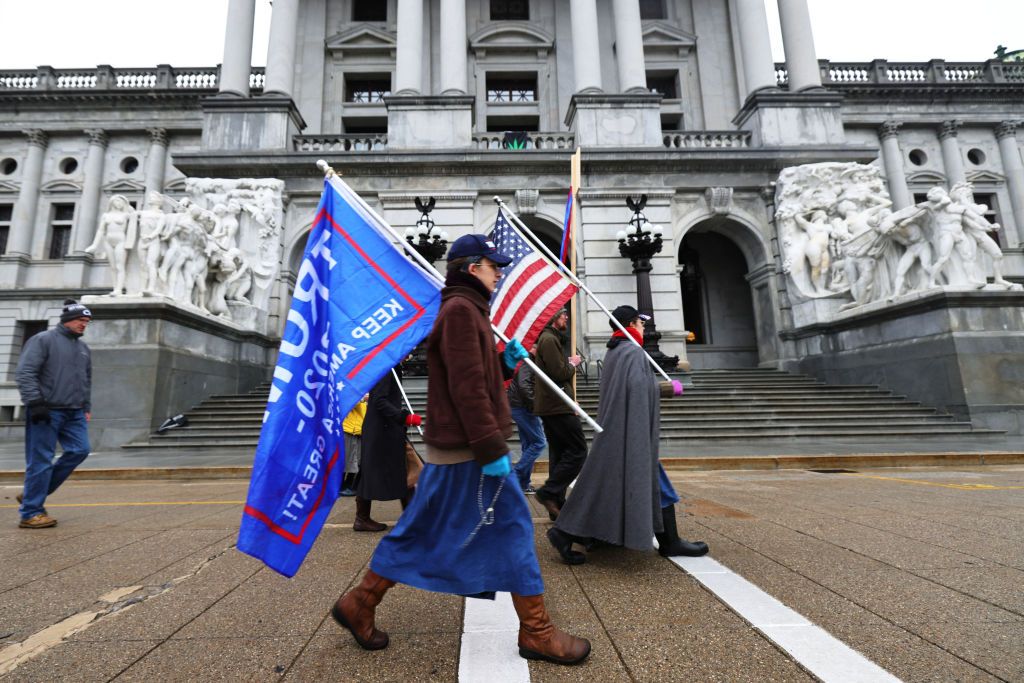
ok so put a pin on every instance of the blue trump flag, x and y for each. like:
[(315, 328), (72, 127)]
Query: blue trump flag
[(358, 309)]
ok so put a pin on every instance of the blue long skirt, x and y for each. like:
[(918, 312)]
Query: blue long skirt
[(425, 549)]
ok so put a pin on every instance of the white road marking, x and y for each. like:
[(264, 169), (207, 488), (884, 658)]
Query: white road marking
[(490, 643), (815, 649)]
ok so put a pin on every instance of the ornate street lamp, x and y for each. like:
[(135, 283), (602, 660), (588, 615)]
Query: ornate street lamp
[(431, 243), (639, 244)]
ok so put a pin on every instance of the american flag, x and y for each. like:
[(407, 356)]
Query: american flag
[(530, 291)]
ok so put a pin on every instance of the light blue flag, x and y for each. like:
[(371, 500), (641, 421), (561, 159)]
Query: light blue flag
[(359, 307)]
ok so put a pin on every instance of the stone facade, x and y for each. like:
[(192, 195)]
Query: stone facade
[(679, 100)]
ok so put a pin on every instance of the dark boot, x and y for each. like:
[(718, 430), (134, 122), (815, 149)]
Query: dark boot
[(563, 544), (363, 521), (549, 502), (407, 498), (538, 637), (669, 543), (355, 611)]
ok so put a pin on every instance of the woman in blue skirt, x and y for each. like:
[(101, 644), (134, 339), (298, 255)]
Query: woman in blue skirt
[(467, 531)]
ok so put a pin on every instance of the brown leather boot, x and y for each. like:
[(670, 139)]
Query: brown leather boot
[(363, 521), (355, 610), (538, 637)]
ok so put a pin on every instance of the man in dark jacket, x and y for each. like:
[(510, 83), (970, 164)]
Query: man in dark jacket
[(465, 532), (531, 430), (567, 447), (54, 377)]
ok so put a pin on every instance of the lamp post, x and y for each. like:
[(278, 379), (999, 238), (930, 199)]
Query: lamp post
[(639, 243), (431, 243)]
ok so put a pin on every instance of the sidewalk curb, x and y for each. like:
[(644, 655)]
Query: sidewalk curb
[(697, 463)]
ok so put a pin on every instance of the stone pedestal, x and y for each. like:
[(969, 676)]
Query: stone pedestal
[(260, 123), (962, 352), (429, 122), (629, 120), (782, 119), (152, 360)]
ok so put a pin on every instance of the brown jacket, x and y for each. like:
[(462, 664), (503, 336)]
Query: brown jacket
[(466, 401), (552, 360)]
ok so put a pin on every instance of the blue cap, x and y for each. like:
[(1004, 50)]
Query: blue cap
[(477, 246)]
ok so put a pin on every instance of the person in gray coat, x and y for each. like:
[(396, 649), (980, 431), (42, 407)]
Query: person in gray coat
[(54, 378), (623, 496)]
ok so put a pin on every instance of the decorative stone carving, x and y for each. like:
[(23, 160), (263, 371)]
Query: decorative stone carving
[(527, 201), (841, 239), (216, 251), (719, 199), (949, 129)]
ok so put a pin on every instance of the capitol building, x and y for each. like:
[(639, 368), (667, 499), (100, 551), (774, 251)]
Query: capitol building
[(858, 222)]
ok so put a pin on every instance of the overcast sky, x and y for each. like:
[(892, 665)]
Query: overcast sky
[(144, 33)]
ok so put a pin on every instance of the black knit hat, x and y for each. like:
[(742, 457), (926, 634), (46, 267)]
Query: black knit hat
[(73, 311), (626, 314)]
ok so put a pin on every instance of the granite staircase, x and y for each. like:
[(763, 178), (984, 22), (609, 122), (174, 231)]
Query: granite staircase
[(755, 411)]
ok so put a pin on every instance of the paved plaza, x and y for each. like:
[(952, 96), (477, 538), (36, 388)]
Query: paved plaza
[(919, 570)]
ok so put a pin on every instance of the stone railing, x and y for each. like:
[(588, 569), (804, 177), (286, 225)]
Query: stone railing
[(345, 142), (533, 141), (162, 77), (704, 139), (881, 71)]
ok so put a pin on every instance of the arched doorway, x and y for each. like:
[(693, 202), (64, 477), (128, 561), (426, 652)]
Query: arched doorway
[(722, 298)]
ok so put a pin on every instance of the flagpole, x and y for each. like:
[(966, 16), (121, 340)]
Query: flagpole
[(342, 187), (574, 183), (520, 226), (405, 398)]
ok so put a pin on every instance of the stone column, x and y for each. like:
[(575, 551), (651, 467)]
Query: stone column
[(892, 160), (156, 161), (586, 55), (951, 159), (453, 47), (629, 46), (284, 23), (24, 219), (237, 64), (798, 44), (1013, 169), (89, 208), (409, 61), (758, 65)]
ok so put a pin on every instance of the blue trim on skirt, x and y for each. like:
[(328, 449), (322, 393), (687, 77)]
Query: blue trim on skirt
[(668, 492), (425, 550)]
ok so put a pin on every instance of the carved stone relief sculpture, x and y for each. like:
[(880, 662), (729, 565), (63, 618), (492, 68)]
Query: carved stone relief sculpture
[(841, 240)]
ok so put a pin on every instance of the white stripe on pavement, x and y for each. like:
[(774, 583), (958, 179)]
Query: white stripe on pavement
[(490, 643), (815, 649)]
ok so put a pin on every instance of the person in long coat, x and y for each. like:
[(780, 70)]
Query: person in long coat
[(623, 496), (468, 530), (383, 474)]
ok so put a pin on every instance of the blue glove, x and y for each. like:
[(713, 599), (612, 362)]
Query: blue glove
[(500, 467), (513, 353)]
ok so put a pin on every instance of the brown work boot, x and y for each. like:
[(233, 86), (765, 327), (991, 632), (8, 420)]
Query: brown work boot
[(549, 502), (363, 521), (39, 521), (538, 637), (355, 611)]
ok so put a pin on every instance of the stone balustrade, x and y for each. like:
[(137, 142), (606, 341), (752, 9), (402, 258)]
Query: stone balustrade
[(533, 141), (345, 142), (881, 71), (108, 78), (705, 139)]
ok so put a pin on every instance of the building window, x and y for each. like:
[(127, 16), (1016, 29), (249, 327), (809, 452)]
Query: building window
[(68, 165), (367, 88), (510, 10), (8, 166), (511, 87), (369, 10), (652, 9), (129, 165), (6, 211), (991, 214), (664, 84), (60, 230)]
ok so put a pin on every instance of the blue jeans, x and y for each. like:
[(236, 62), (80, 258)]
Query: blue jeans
[(531, 442), (42, 474)]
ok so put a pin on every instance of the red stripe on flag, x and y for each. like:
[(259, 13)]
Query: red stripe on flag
[(538, 292), (530, 338), (514, 285)]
